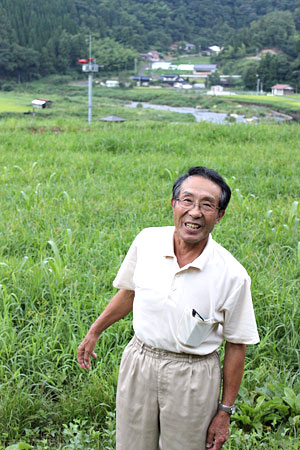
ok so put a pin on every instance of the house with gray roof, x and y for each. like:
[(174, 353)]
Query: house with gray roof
[(205, 69)]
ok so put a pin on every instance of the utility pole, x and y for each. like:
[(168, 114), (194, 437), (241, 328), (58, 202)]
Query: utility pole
[(257, 86), (90, 86), (89, 65)]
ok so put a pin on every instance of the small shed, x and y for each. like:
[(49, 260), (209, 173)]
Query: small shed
[(282, 89), (41, 103)]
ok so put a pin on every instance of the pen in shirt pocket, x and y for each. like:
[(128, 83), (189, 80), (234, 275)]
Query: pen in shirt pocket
[(195, 313)]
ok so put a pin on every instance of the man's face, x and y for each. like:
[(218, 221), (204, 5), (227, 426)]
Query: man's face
[(193, 226)]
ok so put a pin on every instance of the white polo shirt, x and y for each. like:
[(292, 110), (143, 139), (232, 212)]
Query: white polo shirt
[(215, 284)]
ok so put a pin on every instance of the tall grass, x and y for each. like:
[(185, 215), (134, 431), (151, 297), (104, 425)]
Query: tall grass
[(72, 199)]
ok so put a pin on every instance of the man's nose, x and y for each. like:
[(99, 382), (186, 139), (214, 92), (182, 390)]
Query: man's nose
[(196, 211)]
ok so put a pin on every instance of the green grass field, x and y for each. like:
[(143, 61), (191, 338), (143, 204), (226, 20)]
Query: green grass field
[(73, 197), (191, 59), (285, 103), (14, 103)]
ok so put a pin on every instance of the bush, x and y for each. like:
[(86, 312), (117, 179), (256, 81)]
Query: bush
[(8, 86)]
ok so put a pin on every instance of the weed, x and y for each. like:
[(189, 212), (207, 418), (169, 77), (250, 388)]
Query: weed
[(71, 203)]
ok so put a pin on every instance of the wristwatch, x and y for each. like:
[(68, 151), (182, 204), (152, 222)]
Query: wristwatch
[(229, 409)]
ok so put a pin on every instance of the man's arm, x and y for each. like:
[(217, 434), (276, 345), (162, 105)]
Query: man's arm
[(119, 306), (233, 368)]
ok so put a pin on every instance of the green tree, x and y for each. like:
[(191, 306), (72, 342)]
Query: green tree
[(297, 18), (19, 63), (46, 63), (295, 73), (113, 56), (274, 30), (7, 60), (250, 77), (63, 61), (241, 27), (78, 48), (283, 68), (213, 79), (267, 71)]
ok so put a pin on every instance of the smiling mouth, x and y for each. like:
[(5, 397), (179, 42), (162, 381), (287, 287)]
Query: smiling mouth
[(192, 226)]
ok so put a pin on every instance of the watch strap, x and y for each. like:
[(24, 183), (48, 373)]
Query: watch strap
[(228, 409)]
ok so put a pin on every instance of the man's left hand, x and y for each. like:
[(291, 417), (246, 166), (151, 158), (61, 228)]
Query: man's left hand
[(218, 431)]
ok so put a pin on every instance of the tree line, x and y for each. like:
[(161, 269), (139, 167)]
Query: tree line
[(278, 31), (39, 37)]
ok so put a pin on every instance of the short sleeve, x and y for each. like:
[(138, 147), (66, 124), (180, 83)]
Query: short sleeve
[(239, 320), (124, 278)]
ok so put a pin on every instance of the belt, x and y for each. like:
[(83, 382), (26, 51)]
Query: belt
[(160, 353)]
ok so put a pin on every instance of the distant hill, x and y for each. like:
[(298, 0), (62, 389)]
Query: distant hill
[(47, 36)]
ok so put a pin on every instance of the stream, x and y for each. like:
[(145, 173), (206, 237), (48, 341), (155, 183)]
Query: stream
[(203, 115)]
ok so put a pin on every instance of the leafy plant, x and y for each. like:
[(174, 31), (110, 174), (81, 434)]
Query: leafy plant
[(272, 407), (79, 437), (19, 446)]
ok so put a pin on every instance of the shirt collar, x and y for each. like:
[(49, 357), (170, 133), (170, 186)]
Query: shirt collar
[(168, 244), (201, 261), (198, 263)]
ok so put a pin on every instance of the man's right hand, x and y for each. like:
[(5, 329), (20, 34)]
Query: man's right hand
[(119, 306), (85, 351)]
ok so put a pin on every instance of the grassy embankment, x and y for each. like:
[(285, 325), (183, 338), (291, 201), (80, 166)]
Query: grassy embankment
[(285, 104), (72, 199)]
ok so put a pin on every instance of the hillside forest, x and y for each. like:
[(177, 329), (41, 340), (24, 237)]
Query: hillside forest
[(42, 37)]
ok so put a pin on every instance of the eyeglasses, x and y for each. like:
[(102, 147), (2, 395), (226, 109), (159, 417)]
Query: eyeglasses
[(205, 207)]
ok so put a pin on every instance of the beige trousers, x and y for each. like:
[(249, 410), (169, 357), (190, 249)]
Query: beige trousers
[(165, 396)]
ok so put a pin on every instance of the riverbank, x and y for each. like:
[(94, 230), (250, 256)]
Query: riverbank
[(203, 115), (64, 93)]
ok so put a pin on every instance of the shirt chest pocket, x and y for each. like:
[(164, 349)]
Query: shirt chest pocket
[(192, 331)]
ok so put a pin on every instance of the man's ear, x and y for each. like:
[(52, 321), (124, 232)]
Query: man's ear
[(173, 203), (220, 215)]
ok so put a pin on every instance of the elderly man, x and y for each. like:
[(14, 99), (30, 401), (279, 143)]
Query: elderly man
[(188, 294)]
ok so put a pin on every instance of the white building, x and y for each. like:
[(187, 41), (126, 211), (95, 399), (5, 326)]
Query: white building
[(112, 83), (215, 49), (282, 89), (219, 90), (161, 65), (188, 67)]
